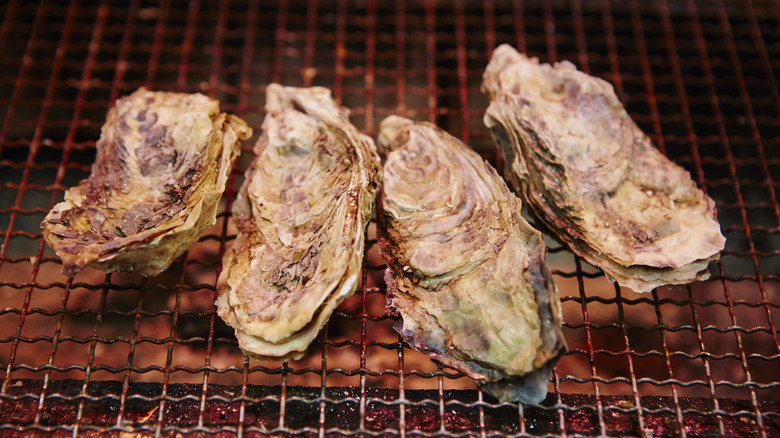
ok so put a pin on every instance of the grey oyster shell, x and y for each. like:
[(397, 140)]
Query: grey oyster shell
[(301, 216), (590, 175), (465, 271), (163, 160)]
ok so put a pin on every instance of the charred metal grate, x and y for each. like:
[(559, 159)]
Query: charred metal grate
[(119, 353)]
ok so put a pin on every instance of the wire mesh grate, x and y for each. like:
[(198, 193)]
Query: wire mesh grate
[(111, 353)]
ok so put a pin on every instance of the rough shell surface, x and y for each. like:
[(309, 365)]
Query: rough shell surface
[(162, 163), (592, 177), (465, 271), (301, 216)]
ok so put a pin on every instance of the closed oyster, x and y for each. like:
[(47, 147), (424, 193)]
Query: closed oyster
[(163, 160), (465, 271), (301, 216), (592, 177)]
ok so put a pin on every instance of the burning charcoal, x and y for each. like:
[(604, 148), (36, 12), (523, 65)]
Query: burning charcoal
[(163, 160), (301, 215), (592, 177), (465, 271)]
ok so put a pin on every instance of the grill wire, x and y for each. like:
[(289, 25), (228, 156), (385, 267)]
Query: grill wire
[(111, 353)]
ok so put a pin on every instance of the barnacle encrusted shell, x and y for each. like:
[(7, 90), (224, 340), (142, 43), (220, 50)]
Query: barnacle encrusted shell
[(163, 160), (301, 216), (465, 271), (591, 176)]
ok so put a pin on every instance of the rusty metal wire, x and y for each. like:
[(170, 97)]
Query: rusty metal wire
[(109, 353)]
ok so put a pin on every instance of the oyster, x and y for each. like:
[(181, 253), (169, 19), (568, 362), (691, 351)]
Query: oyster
[(592, 177), (162, 163), (301, 216), (465, 271)]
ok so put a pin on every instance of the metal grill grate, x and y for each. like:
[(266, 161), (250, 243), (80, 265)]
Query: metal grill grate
[(118, 353)]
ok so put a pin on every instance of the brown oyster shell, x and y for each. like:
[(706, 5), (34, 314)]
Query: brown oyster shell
[(465, 271), (163, 160), (301, 216), (592, 177)]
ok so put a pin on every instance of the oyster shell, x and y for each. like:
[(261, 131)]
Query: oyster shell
[(465, 271), (592, 177), (301, 216), (162, 163)]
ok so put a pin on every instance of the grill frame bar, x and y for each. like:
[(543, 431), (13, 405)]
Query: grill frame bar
[(421, 90)]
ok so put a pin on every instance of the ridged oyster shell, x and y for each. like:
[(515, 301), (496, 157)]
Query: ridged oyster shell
[(465, 271), (301, 216), (591, 176), (163, 160)]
